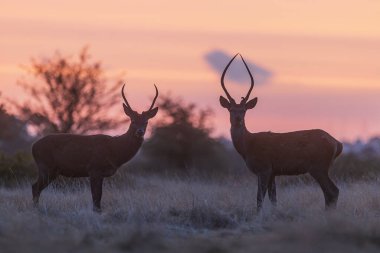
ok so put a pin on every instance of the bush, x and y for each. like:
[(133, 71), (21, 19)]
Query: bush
[(17, 168), (352, 167), (181, 144), (13, 133)]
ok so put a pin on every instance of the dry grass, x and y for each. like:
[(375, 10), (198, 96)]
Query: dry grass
[(153, 214)]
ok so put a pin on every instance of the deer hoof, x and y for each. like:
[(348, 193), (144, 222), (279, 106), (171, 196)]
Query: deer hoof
[(97, 209)]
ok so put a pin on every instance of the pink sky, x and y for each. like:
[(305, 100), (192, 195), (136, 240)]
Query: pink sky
[(324, 55)]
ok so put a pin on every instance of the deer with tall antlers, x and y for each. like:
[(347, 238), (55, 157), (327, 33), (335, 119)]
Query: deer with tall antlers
[(93, 156), (269, 154)]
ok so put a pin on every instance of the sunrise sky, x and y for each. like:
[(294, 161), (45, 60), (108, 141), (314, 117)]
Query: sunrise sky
[(317, 62)]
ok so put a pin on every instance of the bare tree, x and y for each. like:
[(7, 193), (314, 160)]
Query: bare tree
[(68, 95)]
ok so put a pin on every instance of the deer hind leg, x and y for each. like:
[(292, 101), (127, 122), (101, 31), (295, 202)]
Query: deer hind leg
[(45, 177), (262, 186), (272, 190), (96, 191), (334, 194), (330, 190)]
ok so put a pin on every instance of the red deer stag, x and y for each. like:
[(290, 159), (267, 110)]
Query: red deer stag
[(93, 156), (269, 154)]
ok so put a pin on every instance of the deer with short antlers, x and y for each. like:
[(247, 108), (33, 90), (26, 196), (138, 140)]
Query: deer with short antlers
[(269, 154), (93, 156)]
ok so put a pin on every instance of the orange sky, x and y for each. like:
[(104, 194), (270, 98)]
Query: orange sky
[(324, 55)]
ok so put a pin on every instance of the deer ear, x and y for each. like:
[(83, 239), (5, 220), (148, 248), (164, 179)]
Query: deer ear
[(152, 113), (128, 111), (251, 104), (224, 102)]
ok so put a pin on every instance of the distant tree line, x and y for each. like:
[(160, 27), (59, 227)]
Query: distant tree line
[(71, 95)]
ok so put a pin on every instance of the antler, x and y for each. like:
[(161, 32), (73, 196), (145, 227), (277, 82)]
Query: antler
[(245, 99), (222, 80), (154, 100), (125, 99)]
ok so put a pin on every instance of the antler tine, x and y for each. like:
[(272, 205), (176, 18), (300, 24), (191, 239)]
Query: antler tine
[(244, 100), (154, 100), (125, 99), (222, 80)]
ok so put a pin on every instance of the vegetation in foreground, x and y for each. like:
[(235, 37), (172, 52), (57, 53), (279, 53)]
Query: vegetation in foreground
[(170, 215)]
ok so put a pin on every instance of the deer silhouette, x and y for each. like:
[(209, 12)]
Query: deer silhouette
[(269, 154), (93, 156)]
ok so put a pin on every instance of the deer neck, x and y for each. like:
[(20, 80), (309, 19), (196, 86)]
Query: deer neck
[(126, 146), (239, 137)]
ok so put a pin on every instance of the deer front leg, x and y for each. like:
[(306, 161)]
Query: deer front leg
[(262, 186), (96, 183), (272, 190)]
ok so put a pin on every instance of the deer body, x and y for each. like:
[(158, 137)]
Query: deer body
[(93, 156), (81, 156), (291, 153), (272, 154)]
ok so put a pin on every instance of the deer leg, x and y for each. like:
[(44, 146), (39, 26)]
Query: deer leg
[(44, 179), (272, 190), (96, 191), (334, 194), (330, 191), (262, 186)]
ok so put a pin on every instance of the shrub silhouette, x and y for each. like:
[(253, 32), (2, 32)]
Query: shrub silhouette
[(181, 142), (13, 133)]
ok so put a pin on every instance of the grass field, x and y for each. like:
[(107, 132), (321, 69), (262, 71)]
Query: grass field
[(168, 215)]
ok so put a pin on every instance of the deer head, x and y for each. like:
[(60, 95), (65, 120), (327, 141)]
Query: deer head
[(237, 111), (139, 121)]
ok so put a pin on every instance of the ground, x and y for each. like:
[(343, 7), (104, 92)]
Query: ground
[(150, 214)]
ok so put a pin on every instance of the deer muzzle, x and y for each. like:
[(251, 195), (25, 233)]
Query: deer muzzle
[(140, 132)]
